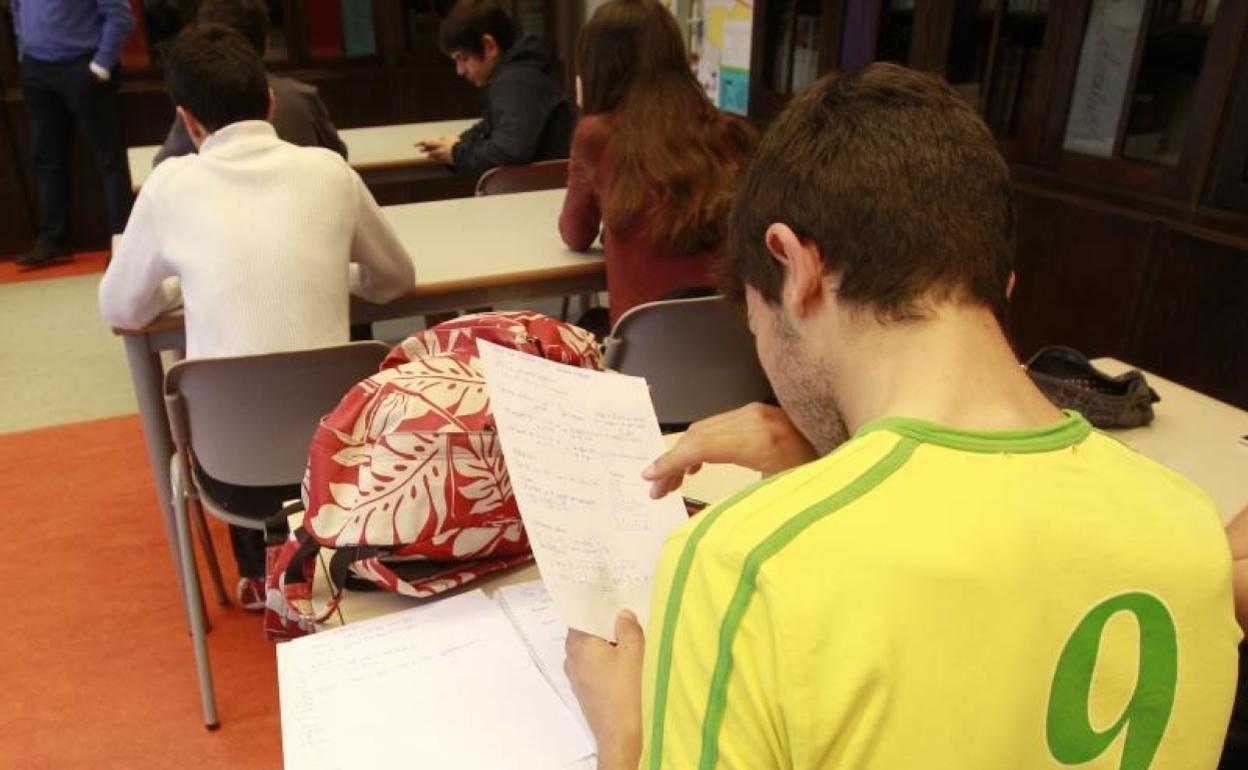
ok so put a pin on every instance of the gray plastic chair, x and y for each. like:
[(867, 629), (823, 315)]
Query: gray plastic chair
[(697, 354), (247, 421)]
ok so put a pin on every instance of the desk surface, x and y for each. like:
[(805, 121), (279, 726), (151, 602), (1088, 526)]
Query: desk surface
[(1195, 435), (487, 238), (369, 148)]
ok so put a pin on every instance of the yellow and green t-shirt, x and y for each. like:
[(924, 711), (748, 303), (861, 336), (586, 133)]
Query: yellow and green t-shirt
[(928, 599)]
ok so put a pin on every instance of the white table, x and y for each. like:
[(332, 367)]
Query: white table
[(467, 252), (377, 148), (1194, 435)]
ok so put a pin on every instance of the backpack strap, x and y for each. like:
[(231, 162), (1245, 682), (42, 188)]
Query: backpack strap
[(290, 611)]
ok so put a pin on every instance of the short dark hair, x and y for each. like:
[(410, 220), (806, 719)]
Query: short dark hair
[(250, 17), (213, 72), (895, 179), (469, 20)]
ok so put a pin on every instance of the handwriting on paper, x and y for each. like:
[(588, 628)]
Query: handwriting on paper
[(575, 442)]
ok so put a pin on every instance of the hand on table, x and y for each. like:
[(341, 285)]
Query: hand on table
[(440, 148), (755, 436), (606, 678)]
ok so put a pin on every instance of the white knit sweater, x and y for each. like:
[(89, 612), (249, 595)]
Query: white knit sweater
[(266, 240)]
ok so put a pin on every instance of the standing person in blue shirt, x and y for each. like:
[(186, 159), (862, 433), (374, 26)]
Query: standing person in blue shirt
[(69, 51), (527, 116)]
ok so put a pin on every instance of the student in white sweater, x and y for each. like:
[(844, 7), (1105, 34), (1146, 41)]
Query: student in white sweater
[(265, 238), (260, 240)]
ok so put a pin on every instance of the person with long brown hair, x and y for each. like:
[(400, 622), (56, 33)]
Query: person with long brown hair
[(654, 164)]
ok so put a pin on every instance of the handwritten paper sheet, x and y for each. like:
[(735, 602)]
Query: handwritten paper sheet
[(1100, 93), (532, 612), (576, 441), (443, 685)]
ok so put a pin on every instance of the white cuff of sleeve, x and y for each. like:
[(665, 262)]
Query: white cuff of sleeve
[(100, 72)]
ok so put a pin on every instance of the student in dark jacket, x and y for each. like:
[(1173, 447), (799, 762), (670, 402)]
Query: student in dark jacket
[(527, 116), (299, 115)]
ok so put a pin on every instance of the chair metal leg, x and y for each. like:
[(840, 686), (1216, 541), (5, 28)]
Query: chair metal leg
[(210, 551), (191, 597)]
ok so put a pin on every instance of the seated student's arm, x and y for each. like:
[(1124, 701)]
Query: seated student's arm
[(581, 218), (177, 143), (473, 133), (381, 270), (139, 284), (520, 111), (756, 436), (1237, 533)]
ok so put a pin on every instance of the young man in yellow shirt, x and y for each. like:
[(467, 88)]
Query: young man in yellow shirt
[(974, 580)]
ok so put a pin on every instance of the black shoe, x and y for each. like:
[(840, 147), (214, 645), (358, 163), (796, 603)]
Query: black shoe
[(43, 255)]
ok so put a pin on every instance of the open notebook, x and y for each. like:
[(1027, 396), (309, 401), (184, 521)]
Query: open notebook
[(465, 682)]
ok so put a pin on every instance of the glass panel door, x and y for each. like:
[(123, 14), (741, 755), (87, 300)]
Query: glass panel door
[(1138, 70), (967, 63), (1016, 64), (892, 43), (1170, 63)]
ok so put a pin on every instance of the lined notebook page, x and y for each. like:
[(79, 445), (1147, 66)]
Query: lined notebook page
[(533, 614), (447, 684)]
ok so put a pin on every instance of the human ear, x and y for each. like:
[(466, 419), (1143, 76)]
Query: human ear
[(194, 128), (802, 290), (268, 114), (489, 46)]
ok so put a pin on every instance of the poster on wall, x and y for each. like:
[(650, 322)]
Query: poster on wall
[(720, 32)]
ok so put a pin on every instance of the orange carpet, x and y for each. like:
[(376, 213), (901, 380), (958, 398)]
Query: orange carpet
[(82, 264), (96, 668)]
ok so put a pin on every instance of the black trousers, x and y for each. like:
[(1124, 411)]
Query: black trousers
[(252, 502), (59, 95)]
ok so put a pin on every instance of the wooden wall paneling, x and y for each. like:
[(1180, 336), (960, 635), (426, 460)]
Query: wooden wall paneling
[(356, 97), (1079, 272), (435, 93), (1228, 174), (146, 112), (1210, 102), (1193, 327)]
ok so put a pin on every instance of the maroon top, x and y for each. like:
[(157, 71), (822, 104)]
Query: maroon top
[(638, 269)]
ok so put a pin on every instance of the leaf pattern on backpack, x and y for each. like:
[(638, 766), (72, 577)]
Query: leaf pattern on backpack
[(480, 470), (409, 460)]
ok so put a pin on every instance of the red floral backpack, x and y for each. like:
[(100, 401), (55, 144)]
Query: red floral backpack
[(406, 480)]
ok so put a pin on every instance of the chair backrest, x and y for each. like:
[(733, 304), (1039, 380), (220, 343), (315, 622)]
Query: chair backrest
[(249, 419), (543, 175), (697, 354)]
